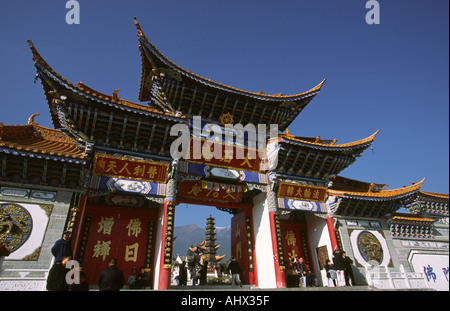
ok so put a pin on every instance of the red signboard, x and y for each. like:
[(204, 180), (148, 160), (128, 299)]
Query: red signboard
[(241, 245), (126, 168), (230, 156), (301, 192), (210, 191), (295, 243), (117, 233)]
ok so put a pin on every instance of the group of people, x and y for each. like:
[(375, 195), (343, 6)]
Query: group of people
[(112, 278), (138, 280), (199, 268), (340, 270), (109, 279), (56, 280), (300, 274)]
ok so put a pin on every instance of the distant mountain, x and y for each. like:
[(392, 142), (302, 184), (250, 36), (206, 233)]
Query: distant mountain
[(191, 235)]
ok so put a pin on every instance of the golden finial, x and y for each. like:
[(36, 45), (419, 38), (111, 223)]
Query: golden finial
[(31, 118)]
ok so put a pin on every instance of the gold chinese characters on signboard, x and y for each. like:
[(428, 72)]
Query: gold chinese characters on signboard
[(127, 168)]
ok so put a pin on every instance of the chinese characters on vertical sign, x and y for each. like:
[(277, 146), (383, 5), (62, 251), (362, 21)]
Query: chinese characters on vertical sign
[(134, 229), (249, 243), (102, 248), (294, 241), (291, 241), (148, 256), (168, 240), (279, 239), (242, 246)]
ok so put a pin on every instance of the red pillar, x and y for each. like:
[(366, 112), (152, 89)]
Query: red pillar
[(333, 239), (165, 271), (168, 221), (252, 276), (280, 277)]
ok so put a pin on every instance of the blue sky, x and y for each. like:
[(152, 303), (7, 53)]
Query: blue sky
[(391, 77)]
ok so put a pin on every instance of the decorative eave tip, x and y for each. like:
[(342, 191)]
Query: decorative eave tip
[(32, 48), (138, 27), (36, 55)]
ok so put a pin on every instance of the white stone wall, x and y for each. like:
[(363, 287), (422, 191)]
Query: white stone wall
[(18, 274), (263, 243)]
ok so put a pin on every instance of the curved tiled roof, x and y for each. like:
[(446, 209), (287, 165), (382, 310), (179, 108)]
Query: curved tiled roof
[(435, 195), (259, 95), (407, 217), (87, 92), (35, 139), (384, 194), (327, 144)]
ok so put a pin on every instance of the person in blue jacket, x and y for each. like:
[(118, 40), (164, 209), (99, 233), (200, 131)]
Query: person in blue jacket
[(62, 247)]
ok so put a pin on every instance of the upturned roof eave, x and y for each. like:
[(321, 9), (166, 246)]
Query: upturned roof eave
[(163, 60)]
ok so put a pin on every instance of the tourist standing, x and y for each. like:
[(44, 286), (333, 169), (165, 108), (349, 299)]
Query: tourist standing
[(203, 272), (331, 273), (56, 280), (235, 270), (183, 274), (339, 265), (111, 279), (62, 247), (194, 272), (348, 271)]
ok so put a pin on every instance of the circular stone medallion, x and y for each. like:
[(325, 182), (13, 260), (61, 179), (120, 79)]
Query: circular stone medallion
[(15, 226)]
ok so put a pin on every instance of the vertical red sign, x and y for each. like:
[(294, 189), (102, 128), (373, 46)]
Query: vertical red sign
[(116, 233), (295, 243), (241, 247)]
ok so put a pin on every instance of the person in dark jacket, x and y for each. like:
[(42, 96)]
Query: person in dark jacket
[(339, 265), (348, 271), (235, 270), (338, 261), (56, 280), (62, 247), (305, 272), (183, 274), (111, 279), (142, 279), (203, 272)]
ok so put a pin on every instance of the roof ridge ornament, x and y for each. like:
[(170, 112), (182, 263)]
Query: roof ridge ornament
[(114, 96), (31, 119)]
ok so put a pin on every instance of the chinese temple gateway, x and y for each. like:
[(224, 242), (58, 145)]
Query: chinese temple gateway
[(105, 173)]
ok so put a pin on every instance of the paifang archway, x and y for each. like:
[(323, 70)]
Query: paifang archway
[(129, 150)]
